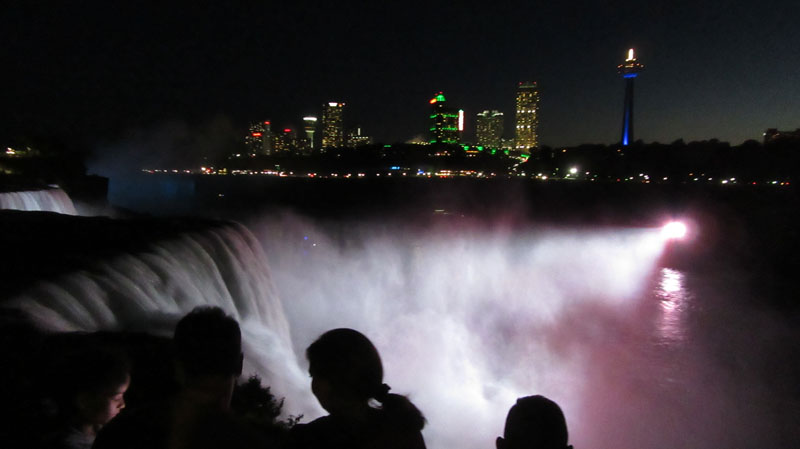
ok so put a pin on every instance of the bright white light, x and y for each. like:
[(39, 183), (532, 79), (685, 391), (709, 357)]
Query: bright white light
[(630, 55), (673, 230), (573, 170)]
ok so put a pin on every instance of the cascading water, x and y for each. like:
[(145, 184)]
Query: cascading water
[(49, 200), (151, 289), (468, 320)]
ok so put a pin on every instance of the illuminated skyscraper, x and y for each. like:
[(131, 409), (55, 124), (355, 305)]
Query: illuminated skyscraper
[(285, 141), (629, 70), (309, 126), (356, 139), (259, 140), (527, 122), (332, 125), (446, 123), (490, 129)]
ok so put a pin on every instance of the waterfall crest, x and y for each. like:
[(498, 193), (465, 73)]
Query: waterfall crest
[(149, 290), (48, 200)]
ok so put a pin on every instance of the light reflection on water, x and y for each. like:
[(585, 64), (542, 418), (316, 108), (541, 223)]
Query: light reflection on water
[(673, 300)]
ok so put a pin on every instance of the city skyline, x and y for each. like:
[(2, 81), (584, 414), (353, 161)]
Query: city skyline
[(96, 73)]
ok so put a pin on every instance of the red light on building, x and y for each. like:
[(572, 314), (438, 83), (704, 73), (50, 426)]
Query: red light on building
[(266, 123), (433, 100), (287, 130), (256, 134)]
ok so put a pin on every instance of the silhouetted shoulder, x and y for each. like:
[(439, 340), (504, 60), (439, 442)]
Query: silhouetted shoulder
[(321, 432), (378, 432), (146, 427), (68, 438)]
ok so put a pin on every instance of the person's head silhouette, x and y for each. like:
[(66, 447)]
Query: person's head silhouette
[(534, 422), (345, 367), (208, 354), (347, 372)]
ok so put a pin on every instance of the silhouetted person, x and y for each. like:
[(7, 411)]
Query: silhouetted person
[(346, 374), (208, 360), (88, 388), (534, 422)]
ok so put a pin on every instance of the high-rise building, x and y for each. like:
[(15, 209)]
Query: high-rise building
[(285, 141), (302, 146), (259, 140), (490, 129), (629, 70), (356, 139), (527, 120), (309, 126), (332, 125), (446, 122)]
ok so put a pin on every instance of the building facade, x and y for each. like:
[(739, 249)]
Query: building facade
[(356, 139), (489, 129), (259, 139), (526, 132), (444, 121), (333, 125), (285, 141)]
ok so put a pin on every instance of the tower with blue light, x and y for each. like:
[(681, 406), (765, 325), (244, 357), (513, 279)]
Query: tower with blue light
[(629, 70)]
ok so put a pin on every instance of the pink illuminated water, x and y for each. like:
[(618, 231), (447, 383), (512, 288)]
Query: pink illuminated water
[(468, 321)]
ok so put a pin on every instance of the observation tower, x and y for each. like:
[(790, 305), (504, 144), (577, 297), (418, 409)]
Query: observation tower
[(629, 70)]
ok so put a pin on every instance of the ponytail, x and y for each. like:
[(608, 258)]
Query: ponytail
[(399, 409)]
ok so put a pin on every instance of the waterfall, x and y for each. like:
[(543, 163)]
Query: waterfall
[(49, 200), (151, 289)]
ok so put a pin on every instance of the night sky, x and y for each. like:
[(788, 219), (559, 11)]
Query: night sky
[(94, 72)]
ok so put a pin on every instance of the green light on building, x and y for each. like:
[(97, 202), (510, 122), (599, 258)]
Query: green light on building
[(440, 97)]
